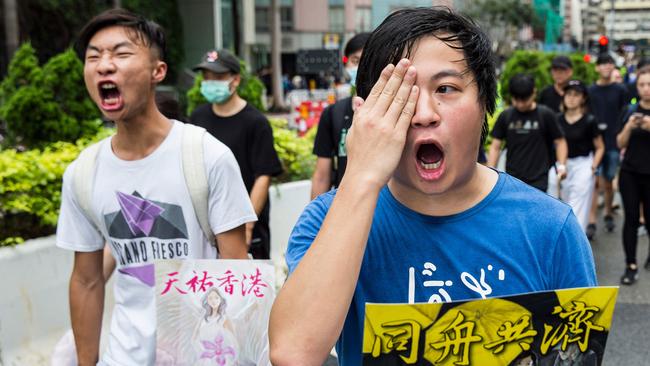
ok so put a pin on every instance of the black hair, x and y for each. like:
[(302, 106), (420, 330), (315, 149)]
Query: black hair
[(355, 43), (521, 86), (147, 32), (643, 62), (169, 107), (398, 34), (605, 58), (580, 87)]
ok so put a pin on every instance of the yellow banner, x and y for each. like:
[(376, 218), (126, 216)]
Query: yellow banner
[(563, 327)]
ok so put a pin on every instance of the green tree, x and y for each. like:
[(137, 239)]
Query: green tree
[(534, 63), (23, 71), (538, 64), (42, 105)]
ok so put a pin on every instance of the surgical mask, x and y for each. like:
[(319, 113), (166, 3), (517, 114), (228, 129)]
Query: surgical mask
[(353, 75), (216, 91)]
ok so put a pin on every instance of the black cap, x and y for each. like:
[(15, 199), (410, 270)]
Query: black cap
[(561, 62), (576, 85), (219, 61), (604, 58)]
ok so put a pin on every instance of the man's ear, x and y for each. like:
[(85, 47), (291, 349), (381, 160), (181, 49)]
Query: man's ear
[(159, 72), (236, 80)]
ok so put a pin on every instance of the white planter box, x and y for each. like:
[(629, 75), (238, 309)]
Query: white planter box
[(34, 277)]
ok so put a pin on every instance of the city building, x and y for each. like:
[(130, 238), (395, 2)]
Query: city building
[(245, 26)]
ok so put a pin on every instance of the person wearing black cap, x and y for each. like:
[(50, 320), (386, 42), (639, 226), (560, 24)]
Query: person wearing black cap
[(586, 149), (607, 100), (246, 131), (561, 72)]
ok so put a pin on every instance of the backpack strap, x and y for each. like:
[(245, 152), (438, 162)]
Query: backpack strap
[(195, 175), (83, 180), (338, 114)]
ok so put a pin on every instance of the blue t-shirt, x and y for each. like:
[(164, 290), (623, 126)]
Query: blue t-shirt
[(516, 240)]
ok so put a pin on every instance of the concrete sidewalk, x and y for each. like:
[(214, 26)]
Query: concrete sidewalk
[(627, 343)]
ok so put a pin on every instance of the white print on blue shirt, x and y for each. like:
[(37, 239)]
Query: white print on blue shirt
[(479, 286)]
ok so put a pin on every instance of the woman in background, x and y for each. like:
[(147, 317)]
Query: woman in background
[(586, 149), (634, 175)]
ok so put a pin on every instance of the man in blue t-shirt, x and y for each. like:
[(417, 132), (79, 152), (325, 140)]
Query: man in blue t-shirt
[(416, 218)]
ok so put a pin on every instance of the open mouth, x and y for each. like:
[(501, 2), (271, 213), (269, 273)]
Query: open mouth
[(111, 99), (429, 156)]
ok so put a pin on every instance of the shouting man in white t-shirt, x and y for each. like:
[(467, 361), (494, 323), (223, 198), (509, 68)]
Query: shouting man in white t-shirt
[(138, 199)]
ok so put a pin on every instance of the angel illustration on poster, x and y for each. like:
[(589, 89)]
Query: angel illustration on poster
[(213, 312)]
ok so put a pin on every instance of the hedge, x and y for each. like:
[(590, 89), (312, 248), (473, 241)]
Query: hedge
[(30, 181)]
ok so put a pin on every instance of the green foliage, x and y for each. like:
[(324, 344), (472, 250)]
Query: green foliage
[(250, 88), (30, 181), (42, 105), (538, 64), (30, 187), (528, 62), (23, 71), (295, 152)]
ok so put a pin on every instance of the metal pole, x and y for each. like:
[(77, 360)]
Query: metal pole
[(218, 35), (611, 24), (276, 57), (11, 27)]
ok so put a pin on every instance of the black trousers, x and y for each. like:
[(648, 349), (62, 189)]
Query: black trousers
[(635, 189)]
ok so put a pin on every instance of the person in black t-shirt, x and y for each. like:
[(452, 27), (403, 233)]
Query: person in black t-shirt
[(561, 72), (329, 145), (530, 131), (586, 149), (607, 100), (246, 132), (634, 179)]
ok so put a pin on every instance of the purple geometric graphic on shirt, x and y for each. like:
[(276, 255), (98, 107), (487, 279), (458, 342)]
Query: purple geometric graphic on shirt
[(139, 213), (143, 273)]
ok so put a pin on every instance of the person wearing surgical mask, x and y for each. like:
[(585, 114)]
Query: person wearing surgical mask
[(336, 119), (246, 131)]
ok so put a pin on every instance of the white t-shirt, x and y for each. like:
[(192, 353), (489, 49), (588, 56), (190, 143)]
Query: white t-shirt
[(146, 214)]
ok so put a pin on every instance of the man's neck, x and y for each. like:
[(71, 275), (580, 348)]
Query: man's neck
[(645, 104), (559, 88), (454, 200), (233, 106), (574, 114), (603, 82), (138, 137)]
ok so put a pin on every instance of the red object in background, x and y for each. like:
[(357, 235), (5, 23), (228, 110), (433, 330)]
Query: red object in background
[(345, 60), (603, 41), (309, 115), (587, 58)]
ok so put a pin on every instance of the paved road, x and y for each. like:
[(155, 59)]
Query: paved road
[(629, 339), (628, 343)]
